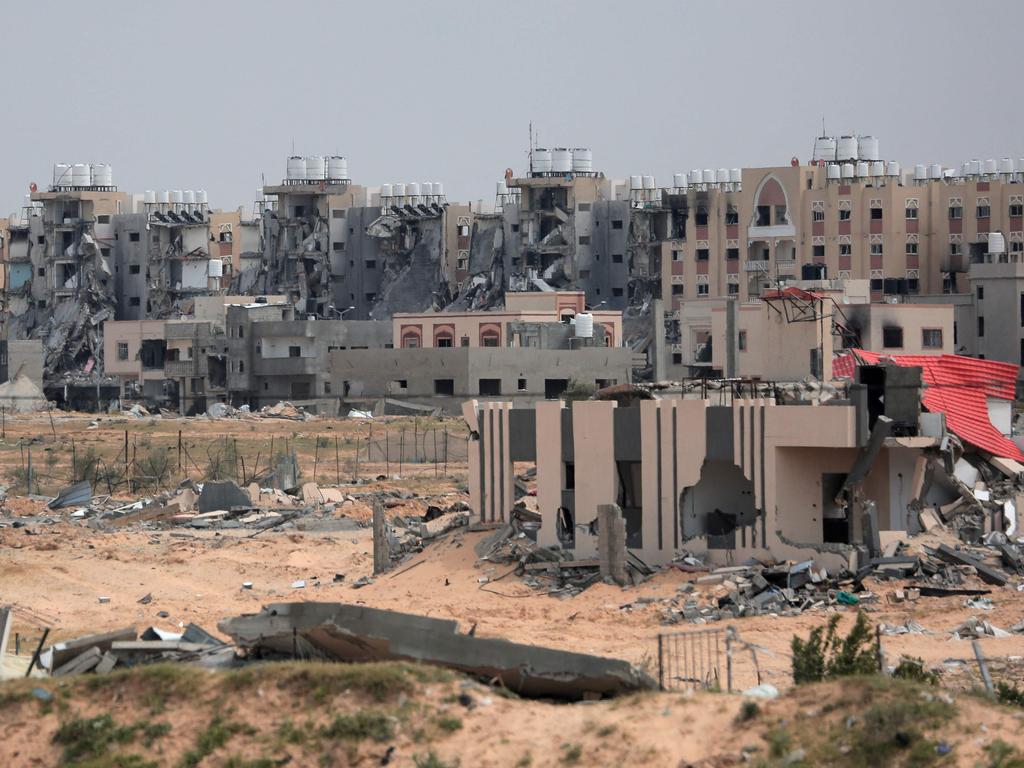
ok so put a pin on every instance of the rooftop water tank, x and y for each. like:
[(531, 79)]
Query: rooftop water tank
[(386, 190), (1006, 165), (991, 167), (678, 180), (832, 171), (846, 170), (935, 171), (920, 172), (561, 160), (892, 168), (696, 177), (867, 148), (965, 170), (316, 168), (824, 149), (862, 168), (976, 167), (846, 148), (337, 168), (582, 160), (177, 197), (541, 160), (296, 168), (996, 242), (163, 197), (501, 188), (102, 175), (399, 189), (201, 198), (412, 189), (61, 175), (149, 197), (584, 324), (216, 268), (735, 175), (708, 177), (722, 176), (877, 168), (188, 197), (81, 175), (438, 189), (649, 182), (636, 182)]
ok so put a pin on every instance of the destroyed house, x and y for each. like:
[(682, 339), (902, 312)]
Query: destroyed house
[(729, 479)]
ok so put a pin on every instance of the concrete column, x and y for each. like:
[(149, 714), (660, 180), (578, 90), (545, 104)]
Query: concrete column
[(731, 366), (611, 543), (381, 548), (658, 322), (6, 621)]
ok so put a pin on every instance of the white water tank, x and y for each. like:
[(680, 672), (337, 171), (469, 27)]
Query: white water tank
[(102, 175), (965, 170), (920, 172), (824, 149), (216, 268), (428, 188), (695, 177), (582, 160), (386, 190), (61, 175), (561, 160), (708, 177), (735, 175), (541, 160), (846, 148), (501, 188), (991, 167), (832, 171), (976, 167), (678, 180), (1006, 165), (188, 197), (438, 189), (337, 168), (846, 170), (413, 189), (649, 182), (81, 175), (636, 182), (399, 189), (584, 324), (201, 197), (867, 148), (862, 169), (177, 196), (722, 176), (149, 197), (163, 197), (316, 168), (935, 171), (996, 242), (296, 168), (877, 168), (892, 168)]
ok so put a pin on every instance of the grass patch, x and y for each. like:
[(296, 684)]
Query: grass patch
[(364, 724), (1003, 755), (749, 710), (240, 762), (88, 742), (449, 723), (1009, 694), (431, 760), (159, 683), (572, 754), (216, 735)]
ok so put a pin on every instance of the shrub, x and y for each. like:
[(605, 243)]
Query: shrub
[(824, 655)]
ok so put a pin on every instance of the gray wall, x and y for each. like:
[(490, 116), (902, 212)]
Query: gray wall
[(28, 354)]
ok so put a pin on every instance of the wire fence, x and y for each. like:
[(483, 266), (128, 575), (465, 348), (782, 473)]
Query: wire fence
[(706, 659)]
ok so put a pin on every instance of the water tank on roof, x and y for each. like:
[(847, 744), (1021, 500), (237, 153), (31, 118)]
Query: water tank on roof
[(867, 148), (296, 168), (149, 197), (177, 196), (722, 176), (996, 242), (991, 167), (976, 167), (935, 171), (188, 197), (216, 268), (846, 148), (920, 172), (541, 160), (846, 170), (81, 175), (862, 169), (163, 197), (201, 198), (561, 160), (824, 149), (1006, 165), (832, 171), (584, 324), (428, 188), (708, 177), (102, 175), (649, 182), (412, 189), (892, 168), (636, 182), (386, 190), (399, 189), (438, 189), (337, 168), (501, 188), (877, 168), (582, 160), (679, 180), (316, 168), (965, 170), (735, 175), (695, 176), (61, 175)]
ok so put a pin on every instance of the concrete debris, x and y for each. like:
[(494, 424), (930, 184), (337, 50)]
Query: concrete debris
[(353, 633), (73, 496), (975, 628), (21, 395), (223, 495)]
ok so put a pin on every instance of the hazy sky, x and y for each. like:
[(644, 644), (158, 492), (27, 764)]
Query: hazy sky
[(212, 94)]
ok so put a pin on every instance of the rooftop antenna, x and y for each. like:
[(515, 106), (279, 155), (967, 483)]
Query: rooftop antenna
[(531, 148)]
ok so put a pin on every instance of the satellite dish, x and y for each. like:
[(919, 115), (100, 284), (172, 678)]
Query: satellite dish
[(32, 187), (794, 161)]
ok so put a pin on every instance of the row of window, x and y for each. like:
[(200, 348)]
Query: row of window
[(955, 212), (892, 337)]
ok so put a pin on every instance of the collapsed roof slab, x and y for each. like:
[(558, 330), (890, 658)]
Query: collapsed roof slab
[(355, 633)]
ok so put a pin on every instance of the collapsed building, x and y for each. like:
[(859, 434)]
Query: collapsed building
[(748, 472)]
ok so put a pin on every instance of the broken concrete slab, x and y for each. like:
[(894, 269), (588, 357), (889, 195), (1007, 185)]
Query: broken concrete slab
[(222, 495), (434, 528), (60, 653), (355, 633), (80, 664), (985, 573), (106, 664)]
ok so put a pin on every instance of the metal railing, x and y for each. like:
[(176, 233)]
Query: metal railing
[(706, 659)]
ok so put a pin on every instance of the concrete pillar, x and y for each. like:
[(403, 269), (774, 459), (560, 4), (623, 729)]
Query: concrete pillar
[(381, 549), (611, 543), (731, 367), (6, 620), (658, 322)]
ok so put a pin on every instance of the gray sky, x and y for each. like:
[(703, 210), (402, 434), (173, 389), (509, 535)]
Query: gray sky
[(212, 94)]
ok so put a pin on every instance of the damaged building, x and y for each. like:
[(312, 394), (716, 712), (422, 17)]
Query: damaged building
[(743, 473)]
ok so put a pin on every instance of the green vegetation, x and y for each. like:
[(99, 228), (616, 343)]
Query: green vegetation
[(1009, 694), (88, 742), (1003, 755), (572, 754), (913, 669), (430, 760), (364, 724), (824, 655), (449, 723), (216, 735), (749, 710)]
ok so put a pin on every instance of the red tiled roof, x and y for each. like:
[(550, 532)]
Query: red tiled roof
[(957, 386)]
